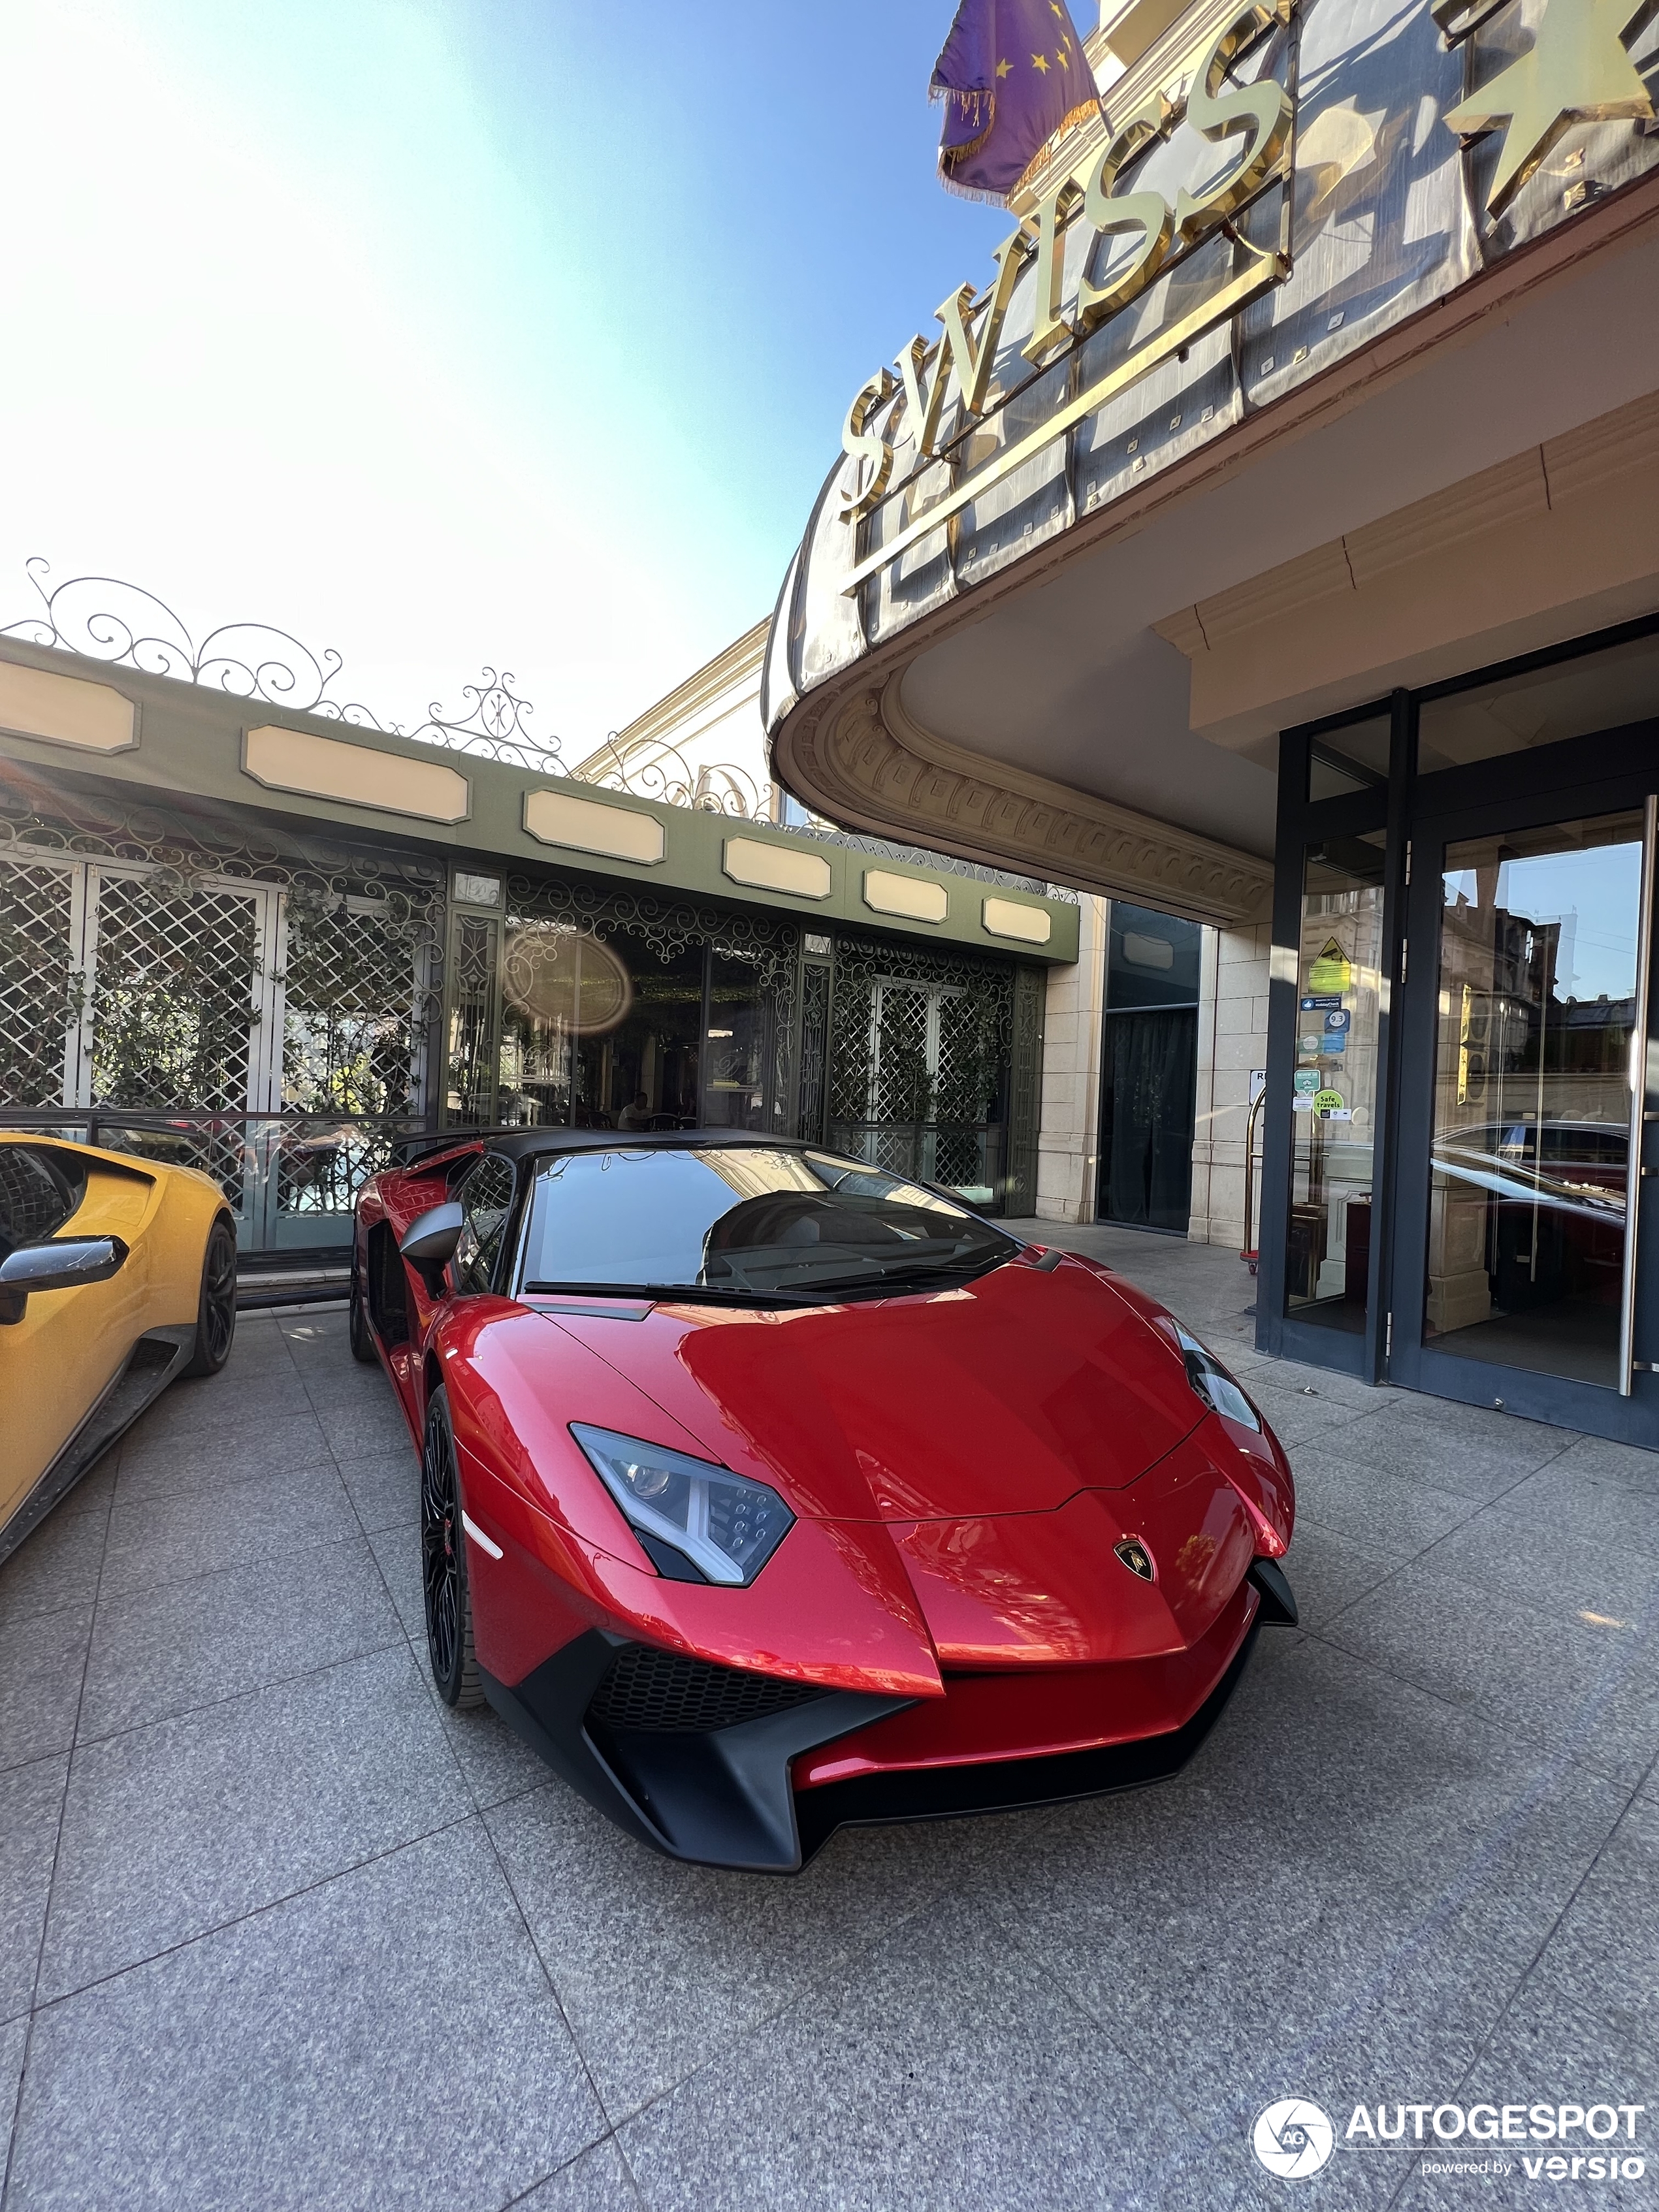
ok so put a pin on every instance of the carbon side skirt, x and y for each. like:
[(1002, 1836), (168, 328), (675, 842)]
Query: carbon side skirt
[(148, 1368)]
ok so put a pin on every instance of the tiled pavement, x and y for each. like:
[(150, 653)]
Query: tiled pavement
[(276, 1931)]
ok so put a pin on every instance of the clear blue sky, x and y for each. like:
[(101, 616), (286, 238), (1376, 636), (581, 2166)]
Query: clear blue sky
[(441, 331)]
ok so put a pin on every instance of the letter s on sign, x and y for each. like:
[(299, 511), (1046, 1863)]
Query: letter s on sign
[(1106, 211), (1264, 110), (862, 444)]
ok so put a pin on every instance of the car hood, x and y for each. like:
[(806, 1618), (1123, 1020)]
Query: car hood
[(1010, 1396)]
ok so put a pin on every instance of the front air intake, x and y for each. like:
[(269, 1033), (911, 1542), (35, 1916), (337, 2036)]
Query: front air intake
[(667, 1693)]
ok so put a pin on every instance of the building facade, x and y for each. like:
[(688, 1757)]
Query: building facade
[(272, 942), (1266, 540)]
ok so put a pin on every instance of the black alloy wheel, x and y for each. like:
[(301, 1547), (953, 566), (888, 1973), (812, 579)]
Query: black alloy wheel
[(357, 1329), (215, 1309), (443, 1565)]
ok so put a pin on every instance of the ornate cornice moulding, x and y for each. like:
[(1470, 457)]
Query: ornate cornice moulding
[(868, 763)]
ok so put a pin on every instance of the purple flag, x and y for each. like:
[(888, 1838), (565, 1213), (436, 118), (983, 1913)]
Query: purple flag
[(1013, 75)]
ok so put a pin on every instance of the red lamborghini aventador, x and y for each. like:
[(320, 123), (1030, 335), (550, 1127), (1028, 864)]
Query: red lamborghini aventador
[(763, 1491)]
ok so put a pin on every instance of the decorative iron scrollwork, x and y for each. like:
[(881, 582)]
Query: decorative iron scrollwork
[(104, 618)]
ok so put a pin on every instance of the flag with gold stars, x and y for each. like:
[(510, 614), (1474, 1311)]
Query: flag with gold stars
[(1012, 76)]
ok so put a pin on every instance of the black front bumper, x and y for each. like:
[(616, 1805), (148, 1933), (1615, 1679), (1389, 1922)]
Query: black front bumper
[(722, 1796)]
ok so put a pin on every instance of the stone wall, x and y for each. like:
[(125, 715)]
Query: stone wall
[(1068, 1140), (1232, 1039)]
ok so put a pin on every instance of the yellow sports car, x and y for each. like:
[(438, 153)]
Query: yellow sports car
[(116, 1275)]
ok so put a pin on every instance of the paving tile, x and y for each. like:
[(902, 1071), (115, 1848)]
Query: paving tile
[(1293, 1918), (388, 2041), (495, 1764), (1549, 1568), (165, 1648), (363, 1427), (315, 1329), (56, 1565), (95, 1490), (1595, 1986), (1592, 1690), (225, 1401), (1592, 1511), (14, 2041), (176, 1538), (1328, 1386), (940, 2070), (30, 1803), (259, 1345), (42, 1660), (1368, 1505), (161, 1462), (1456, 1447), (398, 1554), (384, 1493), (1328, 1572), (173, 1830), (598, 2181), (659, 1964), (1625, 1466), (1294, 1419)]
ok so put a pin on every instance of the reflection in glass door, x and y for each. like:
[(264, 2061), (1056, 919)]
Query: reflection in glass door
[(1539, 966), (1333, 1129)]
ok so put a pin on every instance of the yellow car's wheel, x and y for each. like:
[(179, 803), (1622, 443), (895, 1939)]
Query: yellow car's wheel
[(216, 1311)]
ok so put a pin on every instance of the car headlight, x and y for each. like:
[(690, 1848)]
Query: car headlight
[(725, 1525), (1212, 1382)]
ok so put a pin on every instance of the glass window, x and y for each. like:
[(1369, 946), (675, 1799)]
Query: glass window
[(744, 1221), (1352, 759), (1569, 699), (734, 1092), (1153, 959), (39, 1189), (1537, 998), (597, 1033), (486, 1200), (1338, 999)]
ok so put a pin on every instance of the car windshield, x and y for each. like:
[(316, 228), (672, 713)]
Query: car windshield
[(744, 1222)]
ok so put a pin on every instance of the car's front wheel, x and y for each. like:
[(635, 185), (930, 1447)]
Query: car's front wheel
[(443, 1563), (215, 1307)]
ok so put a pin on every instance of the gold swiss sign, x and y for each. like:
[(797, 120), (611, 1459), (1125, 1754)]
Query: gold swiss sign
[(1254, 120)]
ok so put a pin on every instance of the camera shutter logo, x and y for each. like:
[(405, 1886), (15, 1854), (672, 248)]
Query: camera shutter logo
[(1293, 2138)]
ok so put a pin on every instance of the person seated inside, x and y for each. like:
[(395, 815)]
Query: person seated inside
[(636, 1115)]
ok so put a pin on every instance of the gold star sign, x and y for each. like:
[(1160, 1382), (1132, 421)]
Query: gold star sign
[(1003, 68), (1063, 59), (1577, 71), (1040, 62)]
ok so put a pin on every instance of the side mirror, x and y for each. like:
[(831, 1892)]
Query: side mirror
[(62, 1263), (428, 1243)]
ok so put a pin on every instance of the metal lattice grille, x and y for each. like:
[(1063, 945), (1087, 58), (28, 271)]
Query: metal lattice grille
[(869, 974), (353, 1007), (471, 1022), (814, 1052), (171, 921), (919, 1054), (38, 997), (173, 1009)]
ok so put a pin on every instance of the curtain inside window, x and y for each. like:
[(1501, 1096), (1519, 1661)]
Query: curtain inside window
[(1146, 1117)]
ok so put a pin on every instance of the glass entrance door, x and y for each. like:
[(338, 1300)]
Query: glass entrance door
[(1523, 1110)]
